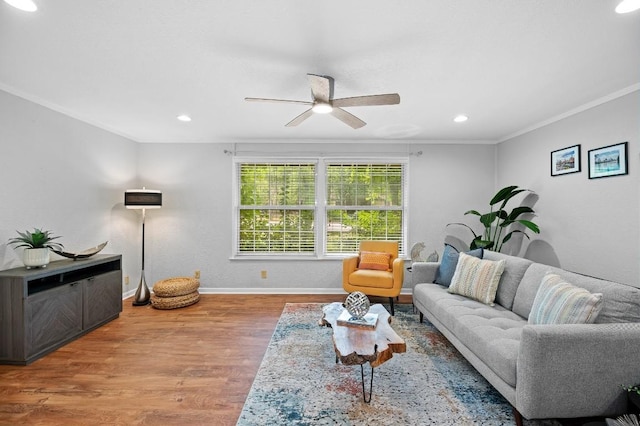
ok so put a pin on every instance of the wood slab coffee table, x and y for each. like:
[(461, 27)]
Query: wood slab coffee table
[(358, 345)]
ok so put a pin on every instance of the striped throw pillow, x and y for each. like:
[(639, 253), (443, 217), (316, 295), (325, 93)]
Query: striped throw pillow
[(476, 278), (374, 260), (558, 302)]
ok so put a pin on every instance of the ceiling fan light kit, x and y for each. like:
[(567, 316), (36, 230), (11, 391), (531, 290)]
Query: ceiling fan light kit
[(26, 5), (324, 103), (322, 108), (626, 6)]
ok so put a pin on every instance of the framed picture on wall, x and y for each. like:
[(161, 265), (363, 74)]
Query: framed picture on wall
[(565, 160), (608, 161)]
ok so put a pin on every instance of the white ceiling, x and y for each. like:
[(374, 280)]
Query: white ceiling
[(132, 66)]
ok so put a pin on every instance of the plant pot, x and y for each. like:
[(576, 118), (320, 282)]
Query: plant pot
[(634, 402), (35, 257)]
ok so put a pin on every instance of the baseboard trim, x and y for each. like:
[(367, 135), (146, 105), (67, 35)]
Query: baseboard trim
[(281, 290), (128, 294)]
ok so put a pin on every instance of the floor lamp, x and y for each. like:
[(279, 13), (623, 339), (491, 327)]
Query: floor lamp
[(142, 199)]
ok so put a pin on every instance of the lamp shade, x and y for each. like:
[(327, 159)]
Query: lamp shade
[(142, 199)]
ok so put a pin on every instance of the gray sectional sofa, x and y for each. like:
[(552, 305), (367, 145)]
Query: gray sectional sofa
[(544, 371)]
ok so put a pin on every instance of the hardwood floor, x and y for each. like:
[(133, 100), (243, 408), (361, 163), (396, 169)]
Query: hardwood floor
[(186, 366)]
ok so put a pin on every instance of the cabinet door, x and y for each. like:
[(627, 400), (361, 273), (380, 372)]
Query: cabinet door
[(102, 298), (53, 316)]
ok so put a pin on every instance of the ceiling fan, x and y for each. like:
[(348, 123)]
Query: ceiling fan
[(323, 102)]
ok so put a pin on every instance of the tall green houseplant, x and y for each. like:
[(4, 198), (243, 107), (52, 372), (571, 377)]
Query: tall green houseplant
[(497, 221)]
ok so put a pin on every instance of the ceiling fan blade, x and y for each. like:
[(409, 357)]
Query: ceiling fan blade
[(321, 87), (284, 101), (299, 119), (347, 118), (387, 99)]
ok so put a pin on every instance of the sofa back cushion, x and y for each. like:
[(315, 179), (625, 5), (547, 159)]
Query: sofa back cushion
[(620, 302), (514, 270)]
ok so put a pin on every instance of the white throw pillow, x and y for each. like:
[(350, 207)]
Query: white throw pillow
[(476, 278), (558, 302)]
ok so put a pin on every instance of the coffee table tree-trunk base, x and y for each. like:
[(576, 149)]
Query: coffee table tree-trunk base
[(358, 346)]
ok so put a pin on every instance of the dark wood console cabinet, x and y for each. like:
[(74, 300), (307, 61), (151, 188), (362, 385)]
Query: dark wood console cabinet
[(44, 309)]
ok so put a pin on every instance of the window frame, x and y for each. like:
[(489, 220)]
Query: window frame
[(320, 208)]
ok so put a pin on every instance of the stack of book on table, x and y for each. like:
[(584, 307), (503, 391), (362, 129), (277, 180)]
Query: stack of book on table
[(368, 321)]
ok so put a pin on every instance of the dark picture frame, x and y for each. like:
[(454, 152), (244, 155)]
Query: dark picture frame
[(565, 161), (607, 161)]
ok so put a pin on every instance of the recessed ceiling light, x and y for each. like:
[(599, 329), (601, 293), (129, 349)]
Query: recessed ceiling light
[(461, 118), (184, 117), (26, 5), (322, 108), (626, 6)]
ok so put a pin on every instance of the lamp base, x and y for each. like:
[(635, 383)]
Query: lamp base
[(143, 295)]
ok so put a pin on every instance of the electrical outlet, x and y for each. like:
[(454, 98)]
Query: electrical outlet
[(197, 274), (263, 275), (126, 280)]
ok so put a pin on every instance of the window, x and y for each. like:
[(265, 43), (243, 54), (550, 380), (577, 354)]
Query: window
[(276, 208), (312, 207), (364, 202)]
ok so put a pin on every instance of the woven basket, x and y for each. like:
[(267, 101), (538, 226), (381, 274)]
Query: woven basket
[(174, 302), (175, 286)]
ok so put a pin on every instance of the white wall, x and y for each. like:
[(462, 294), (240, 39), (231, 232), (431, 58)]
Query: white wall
[(66, 176), (193, 230), (588, 226)]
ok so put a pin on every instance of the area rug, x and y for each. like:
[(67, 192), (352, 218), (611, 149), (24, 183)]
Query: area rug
[(299, 382)]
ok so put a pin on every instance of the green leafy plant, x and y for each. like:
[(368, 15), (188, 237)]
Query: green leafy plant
[(36, 239), (498, 219), (632, 389)]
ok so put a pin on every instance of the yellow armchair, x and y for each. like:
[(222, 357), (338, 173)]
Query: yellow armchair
[(374, 282)]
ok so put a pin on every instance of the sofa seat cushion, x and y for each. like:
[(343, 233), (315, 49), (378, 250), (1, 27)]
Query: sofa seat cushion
[(371, 278), (491, 333)]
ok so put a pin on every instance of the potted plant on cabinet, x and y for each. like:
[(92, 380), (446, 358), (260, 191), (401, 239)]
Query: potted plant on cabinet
[(634, 397), (36, 247)]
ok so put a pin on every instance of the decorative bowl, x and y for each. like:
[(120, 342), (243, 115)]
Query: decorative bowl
[(83, 254)]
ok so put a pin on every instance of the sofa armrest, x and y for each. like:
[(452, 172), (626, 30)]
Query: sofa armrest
[(424, 272), (576, 370)]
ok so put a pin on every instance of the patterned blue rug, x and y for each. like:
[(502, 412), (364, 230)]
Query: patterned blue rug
[(299, 383)]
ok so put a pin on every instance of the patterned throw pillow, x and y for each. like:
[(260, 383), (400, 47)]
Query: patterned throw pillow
[(558, 302), (374, 260), (477, 278), (448, 264)]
